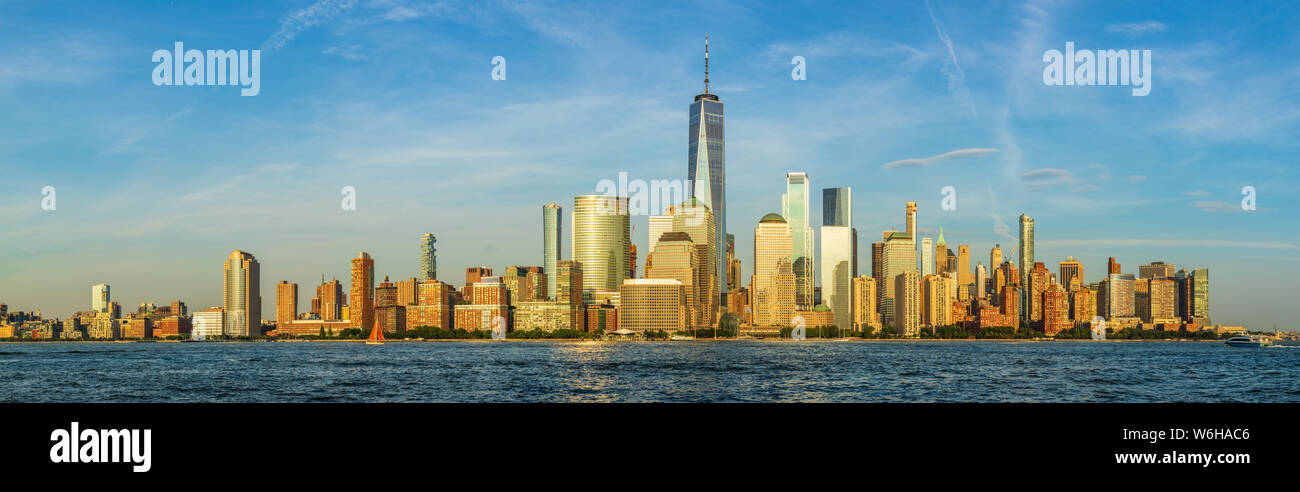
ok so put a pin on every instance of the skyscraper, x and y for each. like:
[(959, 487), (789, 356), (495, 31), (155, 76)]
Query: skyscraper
[(907, 303), (600, 230), (695, 220), (1026, 262), (286, 302), (676, 257), (795, 209), (242, 295), (1071, 274), (1200, 293), (941, 255), (898, 256), (551, 253), (773, 284), (837, 254), (981, 280), (927, 256), (963, 265), (659, 224), (705, 167), (428, 260), (1157, 269), (99, 298), (361, 306)]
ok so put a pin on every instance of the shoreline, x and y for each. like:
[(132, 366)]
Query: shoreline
[(486, 340)]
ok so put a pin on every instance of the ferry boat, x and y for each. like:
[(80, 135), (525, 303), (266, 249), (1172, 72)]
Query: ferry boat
[(1249, 341)]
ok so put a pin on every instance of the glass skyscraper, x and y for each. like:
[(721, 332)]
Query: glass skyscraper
[(794, 206), (551, 222), (599, 230), (428, 258), (705, 167), (242, 298), (1026, 262), (837, 254)]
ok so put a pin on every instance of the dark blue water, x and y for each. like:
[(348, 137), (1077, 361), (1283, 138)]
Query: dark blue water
[(745, 371)]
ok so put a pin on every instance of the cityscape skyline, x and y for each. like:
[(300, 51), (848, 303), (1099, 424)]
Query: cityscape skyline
[(51, 267)]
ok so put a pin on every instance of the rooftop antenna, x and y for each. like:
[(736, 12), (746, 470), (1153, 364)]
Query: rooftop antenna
[(706, 63)]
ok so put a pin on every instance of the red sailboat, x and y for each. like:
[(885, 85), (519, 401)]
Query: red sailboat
[(376, 336)]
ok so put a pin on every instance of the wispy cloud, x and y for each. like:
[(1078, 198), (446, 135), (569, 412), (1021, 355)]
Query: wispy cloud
[(1137, 178), (302, 20), (952, 69), (926, 161), (1197, 193), (1136, 28)]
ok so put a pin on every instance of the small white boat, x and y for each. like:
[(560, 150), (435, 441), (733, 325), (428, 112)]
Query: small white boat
[(680, 338), (1249, 341)]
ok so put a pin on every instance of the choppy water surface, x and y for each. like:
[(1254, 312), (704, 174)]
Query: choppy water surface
[(745, 371)]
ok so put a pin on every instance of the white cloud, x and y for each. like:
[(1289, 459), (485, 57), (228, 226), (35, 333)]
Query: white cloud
[(1209, 206), (1197, 193), (926, 161), (301, 20)]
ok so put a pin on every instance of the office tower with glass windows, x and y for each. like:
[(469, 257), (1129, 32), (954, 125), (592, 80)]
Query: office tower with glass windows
[(242, 299), (795, 209), (361, 304), (600, 230), (773, 284), (837, 254), (706, 167)]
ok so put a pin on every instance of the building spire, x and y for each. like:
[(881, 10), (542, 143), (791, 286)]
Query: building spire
[(706, 63)]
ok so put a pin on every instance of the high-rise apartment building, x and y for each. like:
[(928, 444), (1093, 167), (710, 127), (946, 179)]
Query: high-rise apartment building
[(1056, 310), (286, 302), (552, 221), (706, 166), (907, 303), (428, 257), (899, 256), (936, 304), (1026, 263), (331, 300), (1039, 278), (242, 295), (1200, 282), (1112, 266), (600, 236), (361, 306), (927, 256), (1120, 297), (981, 281), (773, 284), (866, 316), (795, 209), (837, 253), (99, 298)]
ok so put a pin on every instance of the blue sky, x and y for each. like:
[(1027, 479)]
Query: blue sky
[(155, 185)]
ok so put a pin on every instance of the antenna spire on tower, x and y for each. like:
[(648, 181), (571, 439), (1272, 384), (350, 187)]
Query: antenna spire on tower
[(706, 63)]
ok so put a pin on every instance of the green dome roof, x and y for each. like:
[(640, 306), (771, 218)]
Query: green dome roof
[(773, 218)]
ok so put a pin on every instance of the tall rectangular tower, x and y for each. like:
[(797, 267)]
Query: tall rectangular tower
[(361, 307), (552, 220), (795, 209), (837, 254), (242, 298), (706, 167), (1026, 263)]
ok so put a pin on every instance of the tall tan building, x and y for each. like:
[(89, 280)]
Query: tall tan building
[(286, 302), (995, 261), (361, 307), (1157, 269), (1071, 274), (1039, 277), (1083, 305), (963, 265), (907, 303), (676, 257), (242, 295), (695, 220), (331, 301), (600, 235), (773, 284), (653, 304), (866, 317), (1056, 310), (936, 303)]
